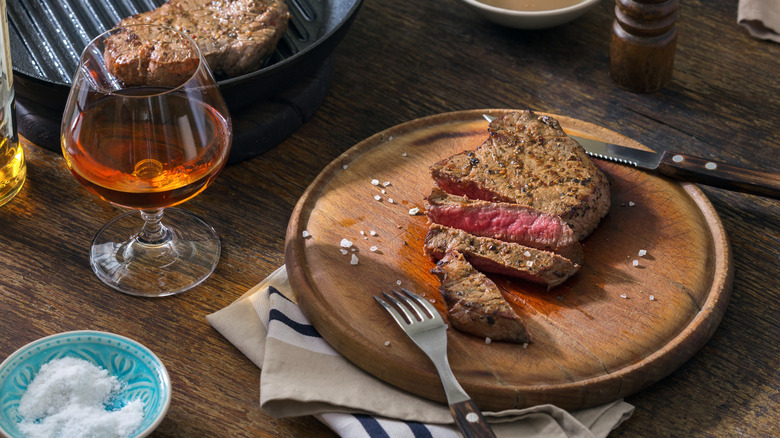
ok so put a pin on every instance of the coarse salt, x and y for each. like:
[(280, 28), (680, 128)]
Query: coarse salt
[(642, 253), (386, 183), (305, 234), (69, 397), (344, 251), (529, 263), (635, 263), (398, 282), (345, 166), (631, 203), (375, 182), (387, 343), (390, 200), (488, 341), (377, 197), (414, 211), (362, 233), (373, 249), (652, 297), (345, 243), (527, 253), (372, 232), (354, 260), (525, 345), (624, 296), (404, 154)]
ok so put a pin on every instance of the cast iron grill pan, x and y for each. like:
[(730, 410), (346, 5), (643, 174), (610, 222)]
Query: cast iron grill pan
[(47, 37), (267, 105)]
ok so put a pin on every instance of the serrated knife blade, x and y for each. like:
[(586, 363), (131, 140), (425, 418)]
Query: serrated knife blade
[(621, 154), (685, 167), (688, 168)]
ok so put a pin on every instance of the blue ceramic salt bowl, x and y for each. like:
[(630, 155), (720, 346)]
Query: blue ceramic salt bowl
[(143, 374)]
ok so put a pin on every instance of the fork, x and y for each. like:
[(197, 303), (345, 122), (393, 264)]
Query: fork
[(420, 320)]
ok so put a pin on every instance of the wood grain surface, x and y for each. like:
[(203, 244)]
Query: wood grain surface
[(604, 334), (401, 61)]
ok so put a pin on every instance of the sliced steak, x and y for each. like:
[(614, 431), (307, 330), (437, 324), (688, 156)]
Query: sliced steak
[(507, 258), (529, 160), (499, 220), (235, 37), (474, 302)]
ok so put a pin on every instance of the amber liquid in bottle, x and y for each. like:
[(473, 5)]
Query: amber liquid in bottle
[(13, 169), (146, 155)]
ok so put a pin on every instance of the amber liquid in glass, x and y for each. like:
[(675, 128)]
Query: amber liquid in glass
[(145, 155)]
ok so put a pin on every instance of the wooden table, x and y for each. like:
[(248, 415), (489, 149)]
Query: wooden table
[(403, 60)]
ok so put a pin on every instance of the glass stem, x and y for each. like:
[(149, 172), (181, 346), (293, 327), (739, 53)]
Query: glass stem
[(153, 232)]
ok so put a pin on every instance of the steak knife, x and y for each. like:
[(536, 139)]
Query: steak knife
[(685, 167), (688, 168)]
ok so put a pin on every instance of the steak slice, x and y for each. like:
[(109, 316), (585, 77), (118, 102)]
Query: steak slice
[(529, 160), (499, 220), (235, 37), (507, 258), (474, 302)]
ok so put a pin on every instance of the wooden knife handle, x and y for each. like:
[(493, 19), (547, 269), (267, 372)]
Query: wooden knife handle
[(470, 420), (722, 175)]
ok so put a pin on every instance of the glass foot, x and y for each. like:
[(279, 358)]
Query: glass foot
[(179, 254)]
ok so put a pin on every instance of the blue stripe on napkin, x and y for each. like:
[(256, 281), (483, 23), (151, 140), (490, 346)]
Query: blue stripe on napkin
[(305, 330), (372, 426), (288, 324), (419, 430), (273, 291), (277, 315)]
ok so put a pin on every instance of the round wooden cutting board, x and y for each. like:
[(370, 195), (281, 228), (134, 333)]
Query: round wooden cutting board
[(609, 331)]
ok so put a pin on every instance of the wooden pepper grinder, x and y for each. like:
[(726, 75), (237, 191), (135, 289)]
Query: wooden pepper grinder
[(644, 39)]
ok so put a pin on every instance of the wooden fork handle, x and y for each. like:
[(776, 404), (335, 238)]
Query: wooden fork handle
[(470, 420)]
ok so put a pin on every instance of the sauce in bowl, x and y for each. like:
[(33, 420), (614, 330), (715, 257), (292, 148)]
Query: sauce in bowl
[(531, 5)]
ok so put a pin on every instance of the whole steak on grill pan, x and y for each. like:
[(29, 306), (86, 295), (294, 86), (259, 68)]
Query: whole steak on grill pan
[(234, 36)]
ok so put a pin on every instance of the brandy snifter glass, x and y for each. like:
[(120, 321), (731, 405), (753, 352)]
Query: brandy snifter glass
[(146, 128)]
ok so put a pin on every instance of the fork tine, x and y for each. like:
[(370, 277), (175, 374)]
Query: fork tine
[(412, 306), (423, 302), (405, 310), (393, 312)]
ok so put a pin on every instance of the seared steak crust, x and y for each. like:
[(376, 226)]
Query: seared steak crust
[(499, 220), (474, 302), (492, 255), (529, 160), (143, 56), (235, 36)]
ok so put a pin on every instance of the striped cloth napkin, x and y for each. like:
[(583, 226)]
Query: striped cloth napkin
[(303, 375)]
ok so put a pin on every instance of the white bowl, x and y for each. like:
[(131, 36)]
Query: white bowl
[(530, 19)]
